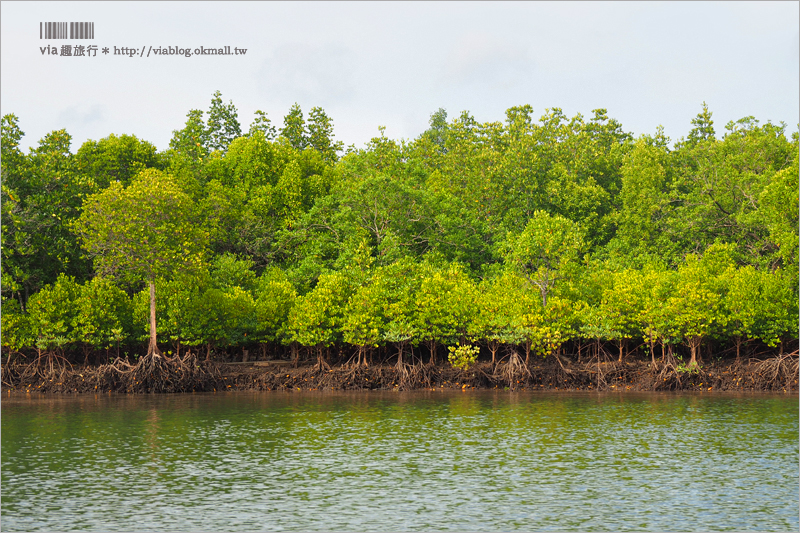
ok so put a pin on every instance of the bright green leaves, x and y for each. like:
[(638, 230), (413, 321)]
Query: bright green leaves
[(96, 314), (289, 194), (645, 200), (104, 313), (563, 219), (544, 250), (144, 231), (445, 304), (364, 318), (52, 313), (462, 357), (317, 317), (316, 134), (16, 327), (114, 158), (695, 308), (494, 317), (228, 272), (275, 298), (779, 213)]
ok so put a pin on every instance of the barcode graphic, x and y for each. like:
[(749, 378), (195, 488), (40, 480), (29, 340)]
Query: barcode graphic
[(66, 30)]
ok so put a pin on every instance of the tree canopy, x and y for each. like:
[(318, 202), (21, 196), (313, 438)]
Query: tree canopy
[(523, 232)]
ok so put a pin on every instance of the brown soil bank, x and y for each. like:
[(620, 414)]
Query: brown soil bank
[(188, 374)]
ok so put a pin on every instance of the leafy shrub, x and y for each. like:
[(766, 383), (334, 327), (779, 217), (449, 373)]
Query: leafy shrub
[(463, 357)]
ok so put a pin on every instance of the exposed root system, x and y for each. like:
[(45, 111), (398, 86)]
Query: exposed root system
[(158, 373), (151, 373), (778, 372), (512, 371)]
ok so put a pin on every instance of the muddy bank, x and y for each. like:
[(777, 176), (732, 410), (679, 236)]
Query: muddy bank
[(777, 374)]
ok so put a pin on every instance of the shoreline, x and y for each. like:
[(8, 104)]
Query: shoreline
[(777, 374)]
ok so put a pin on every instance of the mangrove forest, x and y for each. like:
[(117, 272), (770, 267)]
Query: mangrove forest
[(558, 252)]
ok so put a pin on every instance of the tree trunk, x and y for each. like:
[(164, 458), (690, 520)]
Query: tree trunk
[(621, 350), (400, 355), (694, 344), (652, 352), (321, 357), (153, 348), (432, 346)]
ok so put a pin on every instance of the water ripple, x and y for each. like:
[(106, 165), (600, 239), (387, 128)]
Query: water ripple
[(401, 462)]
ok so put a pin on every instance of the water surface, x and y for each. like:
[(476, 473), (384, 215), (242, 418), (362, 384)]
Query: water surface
[(487, 461)]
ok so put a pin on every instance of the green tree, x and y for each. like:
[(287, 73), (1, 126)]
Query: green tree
[(104, 314), (703, 129), (53, 311), (492, 322), (696, 305), (316, 319), (445, 304), (777, 212), (222, 318), (114, 158), (294, 128), (263, 124), (192, 141), (436, 134), (41, 196), (364, 319), (223, 124), (180, 298), (542, 253), (142, 232), (228, 271), (777, 310), (644, 217), (742, 303), (399, 282), (320, 135), (275, 297), (621, 306), (16, 327)]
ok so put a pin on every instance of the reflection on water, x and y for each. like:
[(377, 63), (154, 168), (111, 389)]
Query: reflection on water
[(401, 462)]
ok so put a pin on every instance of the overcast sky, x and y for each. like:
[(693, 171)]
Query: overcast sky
[(393, 64)]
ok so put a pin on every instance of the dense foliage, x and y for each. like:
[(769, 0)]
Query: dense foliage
[(525, 234)]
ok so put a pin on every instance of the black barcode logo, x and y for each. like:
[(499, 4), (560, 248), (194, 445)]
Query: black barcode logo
[(66, 30)]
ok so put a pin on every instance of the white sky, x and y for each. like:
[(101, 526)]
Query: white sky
[(393, 64)]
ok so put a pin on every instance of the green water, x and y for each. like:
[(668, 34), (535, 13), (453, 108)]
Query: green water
[(401, 462)]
